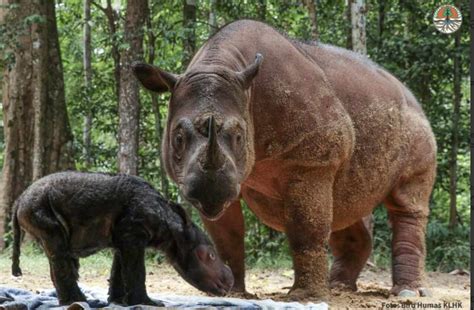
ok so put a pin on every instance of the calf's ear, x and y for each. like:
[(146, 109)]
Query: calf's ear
[(246, 76), (153, 78)]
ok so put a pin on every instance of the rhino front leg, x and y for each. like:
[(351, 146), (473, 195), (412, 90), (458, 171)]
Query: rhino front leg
[(116, 286), (308, 211), (228, 235), (133, 275), (129, 259)]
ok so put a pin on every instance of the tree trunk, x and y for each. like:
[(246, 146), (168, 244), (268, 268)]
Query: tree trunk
[(113, 19), (86, 135), (349, 25), (38, 139), (129, 100), (155, 104), (212, 17), (381, 22), (311, 5), (358, 22), (453, 163), (189, 24), (262, 10), (356, 40)]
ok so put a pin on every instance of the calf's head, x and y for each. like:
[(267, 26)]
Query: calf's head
[(208, 145), (195, 258)]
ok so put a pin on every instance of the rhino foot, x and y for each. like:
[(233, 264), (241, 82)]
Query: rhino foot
[(299, 294), (242, 295), (411, 292), (343, 286)]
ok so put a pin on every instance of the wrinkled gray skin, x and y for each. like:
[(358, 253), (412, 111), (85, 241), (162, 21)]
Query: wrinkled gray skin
[(75, 214)]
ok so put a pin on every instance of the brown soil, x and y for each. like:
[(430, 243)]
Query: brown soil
[(374, 286)]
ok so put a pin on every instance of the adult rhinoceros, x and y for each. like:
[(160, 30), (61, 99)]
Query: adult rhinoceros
[(313, 137)]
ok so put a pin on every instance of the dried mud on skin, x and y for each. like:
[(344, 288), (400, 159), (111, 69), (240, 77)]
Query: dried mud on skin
[(374, 286)]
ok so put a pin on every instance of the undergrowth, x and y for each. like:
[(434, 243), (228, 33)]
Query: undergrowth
[(447, 249)]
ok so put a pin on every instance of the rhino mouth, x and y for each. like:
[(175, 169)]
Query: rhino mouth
[(211, 216)]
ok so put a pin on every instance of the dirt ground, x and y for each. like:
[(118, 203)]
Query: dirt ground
[(373, 285)]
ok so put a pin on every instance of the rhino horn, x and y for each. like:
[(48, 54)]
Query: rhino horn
[(213, 156)]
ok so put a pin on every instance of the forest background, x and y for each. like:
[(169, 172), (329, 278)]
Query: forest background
[(70, 101)]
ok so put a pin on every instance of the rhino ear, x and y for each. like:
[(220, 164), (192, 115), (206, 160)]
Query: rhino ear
[(246, 76), (153, 78)]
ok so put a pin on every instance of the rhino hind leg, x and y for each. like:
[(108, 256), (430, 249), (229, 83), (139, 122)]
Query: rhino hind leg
[(408, 212), (351, 248), (64, 268)]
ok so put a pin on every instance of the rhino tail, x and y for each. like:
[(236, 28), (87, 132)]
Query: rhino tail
[(17, 237)]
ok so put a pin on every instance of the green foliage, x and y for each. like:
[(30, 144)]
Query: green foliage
[(447, 249), (264, 246), (401, 37), (382, 238)]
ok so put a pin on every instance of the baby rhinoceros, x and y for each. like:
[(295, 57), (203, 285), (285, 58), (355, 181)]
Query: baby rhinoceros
[(76, 214)]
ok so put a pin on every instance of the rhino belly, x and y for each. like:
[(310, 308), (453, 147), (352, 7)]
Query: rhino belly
[(267, 209), (363, 184), (87, 239)]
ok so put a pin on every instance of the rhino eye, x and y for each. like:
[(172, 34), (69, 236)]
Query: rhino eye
[(178, 142), (238, 141), (238, 138)]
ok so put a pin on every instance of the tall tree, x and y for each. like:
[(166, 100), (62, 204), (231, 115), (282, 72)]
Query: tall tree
[(358, 22), (129, 100), (262, 10), (348, 17), (113, 18), (38, 139), (311, 5), (358, 43), (189, 24), (86, 136), (381, 22), (453, 162), (212, 17), (155, 104)]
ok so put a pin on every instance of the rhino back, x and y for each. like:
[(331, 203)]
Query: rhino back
[(389, 127), (86, 205)]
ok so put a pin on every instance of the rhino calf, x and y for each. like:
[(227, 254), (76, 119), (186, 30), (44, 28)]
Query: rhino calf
[(76, 214)]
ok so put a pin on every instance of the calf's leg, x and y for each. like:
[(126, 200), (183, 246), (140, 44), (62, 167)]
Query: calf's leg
[(130, 242), (116, 286), (64, 268), (133, 275), (65, 275), (351, 248)]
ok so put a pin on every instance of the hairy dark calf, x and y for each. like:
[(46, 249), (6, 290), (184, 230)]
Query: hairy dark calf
[(76, 214)]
